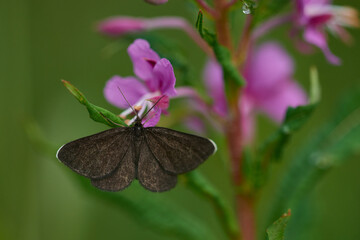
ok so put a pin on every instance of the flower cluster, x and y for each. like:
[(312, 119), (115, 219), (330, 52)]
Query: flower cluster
[(155, 78), (271, 90), (268, 69)]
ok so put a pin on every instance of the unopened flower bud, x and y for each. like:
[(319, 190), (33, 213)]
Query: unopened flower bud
[(120, 25)]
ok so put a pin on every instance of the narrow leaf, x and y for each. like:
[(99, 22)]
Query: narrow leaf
[(201, 186), (295, 118), (273, 147), (330, 146), (96, 113), (222, 54), (277, 230)]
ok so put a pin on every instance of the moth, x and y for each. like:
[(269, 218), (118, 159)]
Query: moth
[(154, 156)]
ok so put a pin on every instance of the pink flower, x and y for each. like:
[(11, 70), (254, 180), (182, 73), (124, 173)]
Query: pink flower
[(315, 16), (270, 87), (155, 78)]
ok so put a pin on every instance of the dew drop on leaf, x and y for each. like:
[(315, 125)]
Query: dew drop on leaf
[(246, 8)]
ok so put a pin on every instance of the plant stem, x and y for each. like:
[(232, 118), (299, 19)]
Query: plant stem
[(244, 201), (231, 3), (246, 217), (207, 8), (222, 24), (244, 43)]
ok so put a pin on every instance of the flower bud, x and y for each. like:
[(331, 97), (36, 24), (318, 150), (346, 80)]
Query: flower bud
[(120, 25)]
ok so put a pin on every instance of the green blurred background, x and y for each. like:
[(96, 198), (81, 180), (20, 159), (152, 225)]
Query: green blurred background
[(44, 41)]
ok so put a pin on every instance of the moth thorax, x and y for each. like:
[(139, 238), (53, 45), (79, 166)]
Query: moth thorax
[(138, 129)]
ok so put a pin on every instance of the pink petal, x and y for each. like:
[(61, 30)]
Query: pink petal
[(163, 103), (214, 82), (152, 118), (319, 2), (318, 38), (320, 19), (142, 57), (130, 86), (117, 26), (266, 68), (289, 94), (164, 78)]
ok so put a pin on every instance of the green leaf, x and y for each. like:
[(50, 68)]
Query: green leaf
[(96, 113), (295, 118), (335, 141), (222, 54), (155, 214), (201, 186), (277, 230)]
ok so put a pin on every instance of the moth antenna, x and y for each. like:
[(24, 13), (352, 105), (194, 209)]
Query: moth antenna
[(152, 107), (128, 103), (109, 120), (149, 118)]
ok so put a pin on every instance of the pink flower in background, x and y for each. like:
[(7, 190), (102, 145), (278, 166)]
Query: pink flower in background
[(316, 16), (156, 2), (270, 87), (119, 26), (213, 77), (155, 77)]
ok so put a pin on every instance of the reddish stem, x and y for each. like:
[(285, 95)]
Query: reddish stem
[(244, 43), (245, 204), (207, 8), (230, 3), (244, 201), (222, 24), (245, 214)]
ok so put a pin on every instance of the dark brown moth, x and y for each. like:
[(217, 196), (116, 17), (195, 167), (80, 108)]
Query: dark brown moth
[(112, 159)]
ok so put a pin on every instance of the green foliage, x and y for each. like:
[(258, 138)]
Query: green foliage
[(277, 230), (157, 215), (295, 118), (268, 8), (273, 147), (96, 113), (331, 145), (222, 54), (226, 215)]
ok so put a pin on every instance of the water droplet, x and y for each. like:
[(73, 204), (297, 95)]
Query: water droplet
[(246, 8)]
